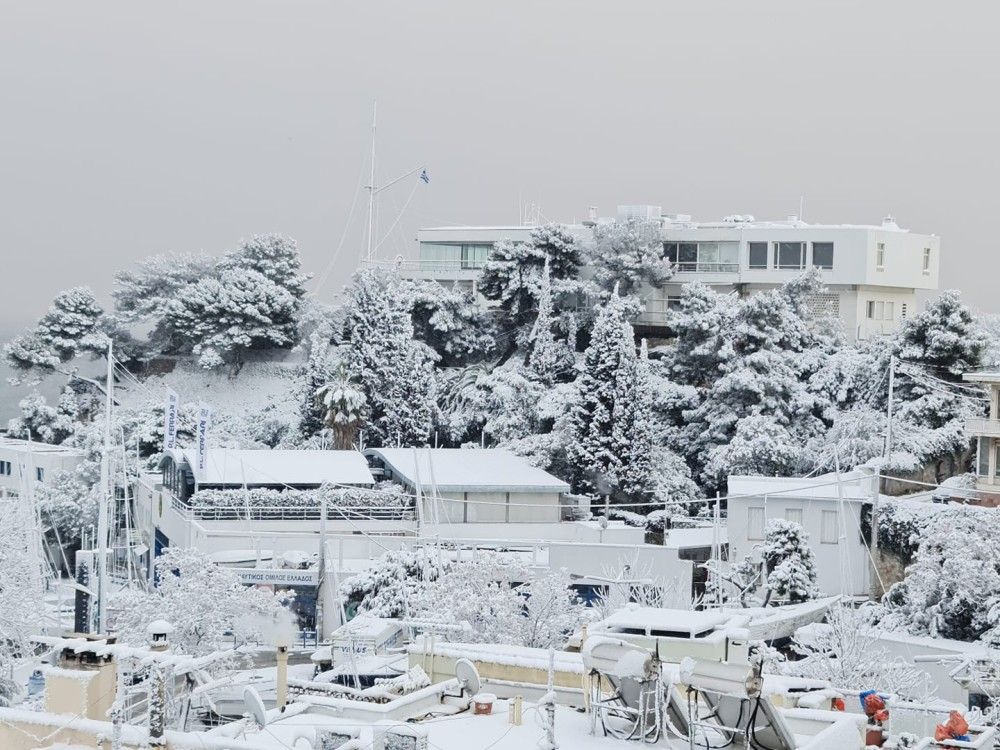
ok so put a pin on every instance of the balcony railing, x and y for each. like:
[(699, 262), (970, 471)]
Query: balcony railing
[(692, 267), (428, 265), (293, 513), (982, 427)]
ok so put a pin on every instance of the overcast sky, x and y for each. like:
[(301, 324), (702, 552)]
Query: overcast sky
[(129, 129)]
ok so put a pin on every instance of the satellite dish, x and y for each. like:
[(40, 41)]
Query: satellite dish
[(255, 706), (468, 675)]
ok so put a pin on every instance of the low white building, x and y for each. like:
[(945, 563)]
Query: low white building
[(474, 485), (24, 461), (830, 516)]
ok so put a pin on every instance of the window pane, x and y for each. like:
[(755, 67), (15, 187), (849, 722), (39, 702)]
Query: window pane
[(729, 255), (890, 311), (789, 255), (927, 259), (688, 255), (755, 523), (758, 255), (871, 310), (823, 254), (828, 534), (794, 515), (984, 457), (708, 255), (670, 251)]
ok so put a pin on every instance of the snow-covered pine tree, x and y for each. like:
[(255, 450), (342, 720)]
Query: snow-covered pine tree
[(634, 428), (602, 407), (70, 328), (394, 371), (44, 423), (221, 319), (274, 257), (451, 322), (789, 563), (700, 326), (627, 254), (546, 355)]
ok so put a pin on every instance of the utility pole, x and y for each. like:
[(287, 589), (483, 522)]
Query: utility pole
[(887, 453), (371, 193), (321, 579), (106, 496)]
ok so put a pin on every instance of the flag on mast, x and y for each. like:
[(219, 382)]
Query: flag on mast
[(204, 422), (170, 411), (426, 178)]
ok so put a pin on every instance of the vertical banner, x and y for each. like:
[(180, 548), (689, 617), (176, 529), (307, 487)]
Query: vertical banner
[(170, 410), (204, 422)]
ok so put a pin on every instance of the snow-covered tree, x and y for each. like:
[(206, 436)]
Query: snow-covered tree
[(344, 406), (388, 587), (274, 257), (20, 594), (547, 358), (789, 563), (323, 361), (451, 322), (551, 611), (952, 589), (845, 651), (44, 423), (627, 255), (633, 428), (606, 386), (700, 326), (71, 327), (394, 371), (206, 603), (221, 319), (760, 446)]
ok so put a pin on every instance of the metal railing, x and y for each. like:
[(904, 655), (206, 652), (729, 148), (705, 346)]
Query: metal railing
[(426, 264), (693, 267), (293, 513)]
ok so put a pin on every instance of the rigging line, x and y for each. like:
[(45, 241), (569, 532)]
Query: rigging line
[(343, 236)]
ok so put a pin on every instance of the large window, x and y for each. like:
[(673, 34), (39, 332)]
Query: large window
[(755, 523), (758, 255), (823, 255), (881, 310), (790, 255), (706, 257), (444, 255)]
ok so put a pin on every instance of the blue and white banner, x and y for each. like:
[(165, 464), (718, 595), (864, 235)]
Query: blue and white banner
[(170, 411), (204, 422)]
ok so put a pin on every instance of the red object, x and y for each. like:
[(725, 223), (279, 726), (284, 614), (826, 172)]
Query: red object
[(956, 726), (873, 704), (838, 704), (882, 716)]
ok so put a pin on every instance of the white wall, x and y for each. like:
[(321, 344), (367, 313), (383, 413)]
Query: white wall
[(26, 462), (840, 570)]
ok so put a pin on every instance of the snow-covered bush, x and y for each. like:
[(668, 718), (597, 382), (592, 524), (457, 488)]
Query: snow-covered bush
[(209, 608), (389, 585), (789, 562), (386, 495)]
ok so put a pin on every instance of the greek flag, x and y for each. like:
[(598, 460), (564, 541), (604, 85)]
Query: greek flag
[(424, 176)]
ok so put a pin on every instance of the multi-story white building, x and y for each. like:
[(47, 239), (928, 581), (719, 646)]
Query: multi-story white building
[(872, 272), (24, 461), (986, 434)]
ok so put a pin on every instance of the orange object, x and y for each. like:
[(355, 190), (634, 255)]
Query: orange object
[(874, 736), (941, 733), (882, 715), (838, 704), (957, 724)]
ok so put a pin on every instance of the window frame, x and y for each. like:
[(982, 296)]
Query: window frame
[(824, 245), (752, 512), (777, 256), (789, 512), (751, 246), (823, 527), (879, 256), (926, 265)]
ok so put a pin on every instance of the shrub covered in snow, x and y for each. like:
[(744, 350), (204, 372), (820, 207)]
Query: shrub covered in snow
[(385, 496)]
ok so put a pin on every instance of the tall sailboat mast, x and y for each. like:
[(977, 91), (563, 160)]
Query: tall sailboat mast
[(104, 499), (371, 192)]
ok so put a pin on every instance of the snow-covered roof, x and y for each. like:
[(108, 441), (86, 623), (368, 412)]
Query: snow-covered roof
[(468, 470), (822, 487), (366, 626), (699, 537), (228, 466), (666, 620), (32, 446), (982, 376)]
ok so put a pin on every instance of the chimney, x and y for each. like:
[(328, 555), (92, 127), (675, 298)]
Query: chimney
[(83, 684), (159, 632)]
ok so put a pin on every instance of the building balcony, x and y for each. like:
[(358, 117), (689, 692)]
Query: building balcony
[(698, 267), (982, 428), (436, 270)]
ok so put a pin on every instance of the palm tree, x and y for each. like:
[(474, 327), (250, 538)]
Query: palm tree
[(344, 409)]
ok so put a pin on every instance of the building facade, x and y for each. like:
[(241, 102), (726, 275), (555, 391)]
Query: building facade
[(872, 272), (985, 432)]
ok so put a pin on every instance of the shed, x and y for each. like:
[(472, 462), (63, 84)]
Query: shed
[(474, 485)]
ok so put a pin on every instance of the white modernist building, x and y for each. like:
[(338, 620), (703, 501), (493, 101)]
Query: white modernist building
[(830, 514), (872, 272), (986, 434)]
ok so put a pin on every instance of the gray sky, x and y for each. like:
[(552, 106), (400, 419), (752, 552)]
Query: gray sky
[(130, 129)]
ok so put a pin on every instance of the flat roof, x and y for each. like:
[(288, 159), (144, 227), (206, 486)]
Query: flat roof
[(33, 446), (655, 618), (468, 469), (982, 376), (229, 466)]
